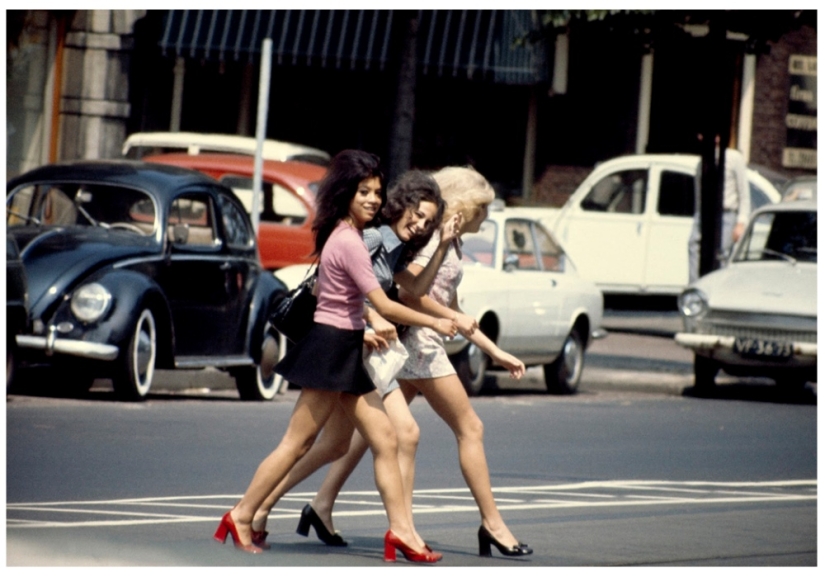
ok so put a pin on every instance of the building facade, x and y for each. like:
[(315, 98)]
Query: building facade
[(533, 117)]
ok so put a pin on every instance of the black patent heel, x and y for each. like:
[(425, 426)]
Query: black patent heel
[(485, 539), (310, 517)]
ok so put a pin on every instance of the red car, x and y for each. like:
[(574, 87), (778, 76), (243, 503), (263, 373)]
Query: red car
[(287, 207)]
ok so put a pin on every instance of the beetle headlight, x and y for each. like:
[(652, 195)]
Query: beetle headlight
[(90, 302), (693, 303)]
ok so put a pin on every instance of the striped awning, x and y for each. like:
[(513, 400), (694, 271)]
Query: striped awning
[(473, 44)]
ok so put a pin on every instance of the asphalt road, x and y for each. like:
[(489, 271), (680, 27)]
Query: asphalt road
[(632, 471)]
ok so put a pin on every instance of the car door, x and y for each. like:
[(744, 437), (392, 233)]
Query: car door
[(205, 284), (531, 326), (605, 228), (674, 192)]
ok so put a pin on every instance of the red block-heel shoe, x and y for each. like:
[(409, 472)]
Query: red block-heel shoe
[(227, 527), (392, 542)]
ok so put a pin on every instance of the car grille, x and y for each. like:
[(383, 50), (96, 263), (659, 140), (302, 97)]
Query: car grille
[(766, 327)]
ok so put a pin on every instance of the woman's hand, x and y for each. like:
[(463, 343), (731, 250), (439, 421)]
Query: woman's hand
[(373, 342), (467, 325), (511, 363), (451, 229), (382, 327), (445, 327)]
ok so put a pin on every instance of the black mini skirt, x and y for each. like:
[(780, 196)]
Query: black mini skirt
[(329, 359)]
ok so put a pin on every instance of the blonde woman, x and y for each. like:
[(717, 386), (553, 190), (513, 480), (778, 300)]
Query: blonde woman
[(430, 372)]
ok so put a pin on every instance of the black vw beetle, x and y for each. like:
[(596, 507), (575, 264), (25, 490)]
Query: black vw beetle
[(134, 266)]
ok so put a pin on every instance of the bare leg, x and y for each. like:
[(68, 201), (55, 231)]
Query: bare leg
[(311, 411), (337, 475), (449, 400), (407, 432), (371, 420), (332, 444)]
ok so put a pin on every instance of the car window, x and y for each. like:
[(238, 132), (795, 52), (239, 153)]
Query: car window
[(677, 194), (620, 192), (236, 227), (781, 235), (278, 203), (518, 241), (192, 220), (480, 247), (552, 256), (81, 204)]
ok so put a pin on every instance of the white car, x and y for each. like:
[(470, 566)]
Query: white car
[(142, 144), (527, 297), (757, 315), (627, 224)]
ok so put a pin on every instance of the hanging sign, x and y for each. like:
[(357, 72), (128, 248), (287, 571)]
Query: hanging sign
[(800, 121)]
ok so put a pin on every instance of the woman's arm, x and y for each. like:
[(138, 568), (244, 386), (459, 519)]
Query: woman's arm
[(419, 283), (397, 312), (382, 327), (478, 338), (466, 324)]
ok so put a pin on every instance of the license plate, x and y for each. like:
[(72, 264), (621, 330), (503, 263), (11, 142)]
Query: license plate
[(760, 348)]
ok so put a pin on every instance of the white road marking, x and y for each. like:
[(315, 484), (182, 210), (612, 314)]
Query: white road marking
[(590, 494)]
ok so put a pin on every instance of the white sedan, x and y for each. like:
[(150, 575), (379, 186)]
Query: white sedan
[(527, 297), (757, 316)]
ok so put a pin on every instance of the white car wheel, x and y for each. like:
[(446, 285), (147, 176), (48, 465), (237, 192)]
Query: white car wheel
[(471, 365), (261, 382), (133, 377), (562, 376)]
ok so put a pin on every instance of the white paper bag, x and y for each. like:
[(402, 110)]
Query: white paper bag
[(384, 364)]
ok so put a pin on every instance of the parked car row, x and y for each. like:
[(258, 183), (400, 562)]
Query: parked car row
[(115, 268), (134, 266)]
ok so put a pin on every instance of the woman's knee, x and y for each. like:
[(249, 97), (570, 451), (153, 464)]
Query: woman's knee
[(386, 442), (471, 427), (408, 436)]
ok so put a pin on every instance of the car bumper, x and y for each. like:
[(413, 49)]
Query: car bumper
[(721, 348), (51, 345)]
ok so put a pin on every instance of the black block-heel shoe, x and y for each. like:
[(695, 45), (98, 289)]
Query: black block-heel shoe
[(310, 517), (485, 539)]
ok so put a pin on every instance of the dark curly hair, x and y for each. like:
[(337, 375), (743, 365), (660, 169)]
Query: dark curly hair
[(335, 192), (412, 188)]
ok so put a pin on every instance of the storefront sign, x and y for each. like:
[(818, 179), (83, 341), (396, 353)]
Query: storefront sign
[(800, 121)]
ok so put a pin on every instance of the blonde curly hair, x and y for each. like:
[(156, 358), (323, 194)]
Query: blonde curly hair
[(464, 190)]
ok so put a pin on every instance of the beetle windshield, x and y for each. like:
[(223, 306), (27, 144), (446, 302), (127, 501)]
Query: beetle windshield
[(77, 204)]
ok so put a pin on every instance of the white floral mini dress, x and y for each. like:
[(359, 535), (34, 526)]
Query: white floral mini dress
[(427, 357)]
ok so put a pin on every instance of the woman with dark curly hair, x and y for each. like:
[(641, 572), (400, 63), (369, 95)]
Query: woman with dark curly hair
[(412, 213), (327, 364)]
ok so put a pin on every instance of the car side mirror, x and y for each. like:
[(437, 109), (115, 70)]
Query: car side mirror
[(511, 262), (180, 233)]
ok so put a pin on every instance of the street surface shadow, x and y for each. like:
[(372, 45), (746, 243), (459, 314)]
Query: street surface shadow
[(763, 393), (39, 384)]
